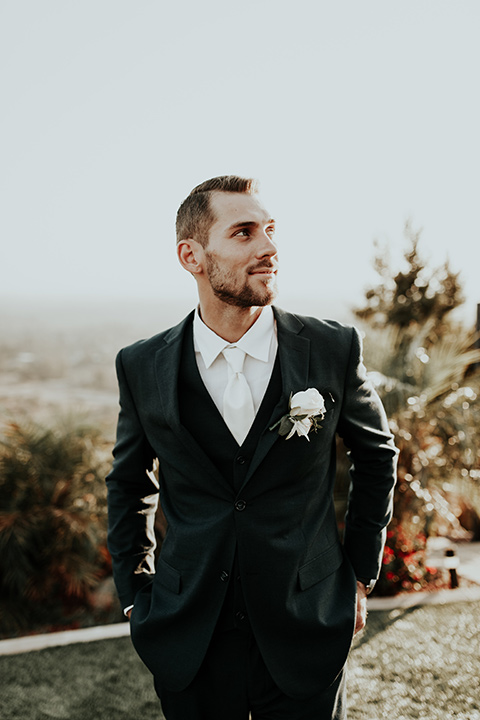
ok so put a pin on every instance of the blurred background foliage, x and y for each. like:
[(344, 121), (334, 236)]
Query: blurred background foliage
[(53, 555), (425, 368)]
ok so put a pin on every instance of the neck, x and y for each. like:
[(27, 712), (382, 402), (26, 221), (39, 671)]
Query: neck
[(231, 323)]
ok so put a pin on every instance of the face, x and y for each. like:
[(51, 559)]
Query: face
[(241, 255)]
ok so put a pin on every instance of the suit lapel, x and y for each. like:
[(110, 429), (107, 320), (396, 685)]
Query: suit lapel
[(294, 353), (167, 366)]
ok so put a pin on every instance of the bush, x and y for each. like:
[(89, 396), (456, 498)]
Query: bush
[(425, 369), (52, 525), (404, 567)]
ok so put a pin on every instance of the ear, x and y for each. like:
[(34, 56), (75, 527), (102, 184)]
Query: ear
[(190, 255)]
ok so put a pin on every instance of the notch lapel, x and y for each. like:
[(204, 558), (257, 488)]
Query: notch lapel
[(294, 353)]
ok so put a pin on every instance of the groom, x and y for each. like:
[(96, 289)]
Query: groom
[(252, 602)]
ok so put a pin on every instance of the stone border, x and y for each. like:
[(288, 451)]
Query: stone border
[(425, 597), (15, 646)]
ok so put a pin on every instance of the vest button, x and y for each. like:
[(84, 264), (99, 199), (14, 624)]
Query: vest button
[(240, 505), (224, 576), (241, 460)]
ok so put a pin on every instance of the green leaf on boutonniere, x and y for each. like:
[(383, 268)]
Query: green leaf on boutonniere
[(315, 424), (286, 425)]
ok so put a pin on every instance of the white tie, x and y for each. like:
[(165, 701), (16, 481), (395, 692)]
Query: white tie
[(238, 410)]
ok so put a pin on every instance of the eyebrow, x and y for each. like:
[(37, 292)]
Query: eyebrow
[(249, 223)]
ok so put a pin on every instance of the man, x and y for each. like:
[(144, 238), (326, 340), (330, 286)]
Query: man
[(253, 601)]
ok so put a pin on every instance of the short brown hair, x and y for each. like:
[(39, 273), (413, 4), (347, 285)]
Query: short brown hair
[(195, 216)]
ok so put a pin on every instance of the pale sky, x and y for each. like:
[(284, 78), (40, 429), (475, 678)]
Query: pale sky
[(354, 115)]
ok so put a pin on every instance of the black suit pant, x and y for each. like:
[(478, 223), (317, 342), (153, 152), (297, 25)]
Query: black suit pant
[(233, 681)]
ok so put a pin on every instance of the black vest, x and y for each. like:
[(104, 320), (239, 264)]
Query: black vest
[(200, 416)]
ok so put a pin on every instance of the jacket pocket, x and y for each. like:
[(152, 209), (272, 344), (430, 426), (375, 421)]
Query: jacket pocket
[(320, 567), (167, 576)]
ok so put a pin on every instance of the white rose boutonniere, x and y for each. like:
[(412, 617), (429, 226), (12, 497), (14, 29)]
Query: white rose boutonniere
[(306, 409)]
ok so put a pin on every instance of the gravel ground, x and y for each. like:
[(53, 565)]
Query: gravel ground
[(421, 662)]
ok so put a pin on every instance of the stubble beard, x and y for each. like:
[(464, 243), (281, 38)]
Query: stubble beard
[(226, 289)]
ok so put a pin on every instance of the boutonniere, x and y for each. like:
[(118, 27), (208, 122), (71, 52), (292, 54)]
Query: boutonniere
[(306, 409)]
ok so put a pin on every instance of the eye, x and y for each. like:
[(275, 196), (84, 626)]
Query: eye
[(244, 232)]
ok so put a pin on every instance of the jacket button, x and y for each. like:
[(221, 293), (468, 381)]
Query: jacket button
[(240, 616), (224, 576), (240, 505)]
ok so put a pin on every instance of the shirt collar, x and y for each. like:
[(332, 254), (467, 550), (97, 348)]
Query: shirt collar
[(256, 341)]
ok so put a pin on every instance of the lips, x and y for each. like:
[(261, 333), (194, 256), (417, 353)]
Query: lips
[(264, 270)]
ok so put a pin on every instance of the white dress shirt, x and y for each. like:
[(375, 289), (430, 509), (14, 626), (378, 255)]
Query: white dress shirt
[(260, 346)]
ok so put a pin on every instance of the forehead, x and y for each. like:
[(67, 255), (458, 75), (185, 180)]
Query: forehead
[(230, 208)]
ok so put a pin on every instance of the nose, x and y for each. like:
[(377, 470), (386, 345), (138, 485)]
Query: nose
[(266, 246)]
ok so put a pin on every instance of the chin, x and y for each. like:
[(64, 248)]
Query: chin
[(266, 298), (247, 296), (271, 292)]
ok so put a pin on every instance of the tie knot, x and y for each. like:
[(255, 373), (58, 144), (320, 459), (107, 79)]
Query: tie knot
[(235, 357)]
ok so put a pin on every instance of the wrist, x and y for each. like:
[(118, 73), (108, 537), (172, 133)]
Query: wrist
[(368, 584), (127, 610)]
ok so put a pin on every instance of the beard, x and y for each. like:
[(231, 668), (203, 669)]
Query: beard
[(226, 287)]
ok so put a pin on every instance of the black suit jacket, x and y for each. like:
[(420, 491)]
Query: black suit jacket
[(298, 580)]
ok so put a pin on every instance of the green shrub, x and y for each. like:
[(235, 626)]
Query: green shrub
[(52, 525)]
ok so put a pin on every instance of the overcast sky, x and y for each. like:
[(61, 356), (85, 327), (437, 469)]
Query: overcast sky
[(354, 115)]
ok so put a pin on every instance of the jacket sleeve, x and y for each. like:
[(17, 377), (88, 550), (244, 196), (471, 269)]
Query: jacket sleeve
[(364, 428), (132, 499)]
